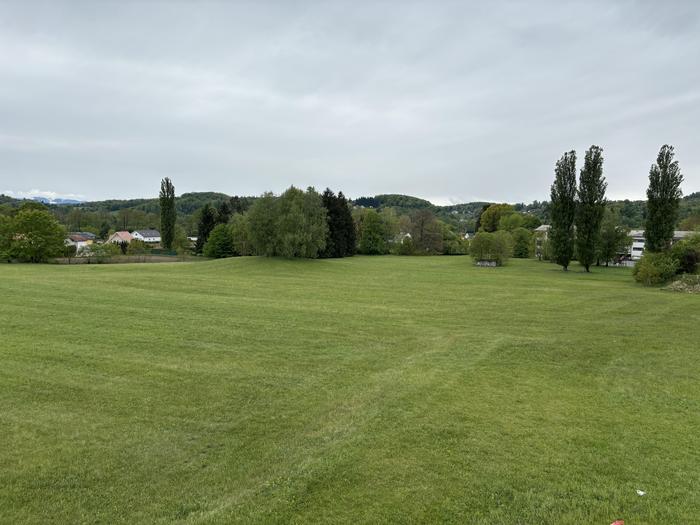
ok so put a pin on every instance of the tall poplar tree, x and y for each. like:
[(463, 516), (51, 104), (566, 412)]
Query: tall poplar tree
[(168, 213), (590, 206), (663, 197), (207, 222), (563, 210)]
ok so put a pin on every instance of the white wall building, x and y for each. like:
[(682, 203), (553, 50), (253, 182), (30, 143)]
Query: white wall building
[(148, 236)]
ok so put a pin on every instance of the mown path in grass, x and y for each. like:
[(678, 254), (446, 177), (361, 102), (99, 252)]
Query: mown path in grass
[(370, 389)]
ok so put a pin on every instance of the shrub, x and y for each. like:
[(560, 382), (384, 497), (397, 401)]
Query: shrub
[(687, 254), (405, 247), (220, 243), (496, 247), (655, 268), (521, 243)]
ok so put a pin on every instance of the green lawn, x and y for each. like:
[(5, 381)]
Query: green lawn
[(370, 389)]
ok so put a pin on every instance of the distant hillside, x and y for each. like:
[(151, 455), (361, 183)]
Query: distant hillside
[(144, 213), (632, 213)]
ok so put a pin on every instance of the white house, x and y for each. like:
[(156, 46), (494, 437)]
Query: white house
[(147, 236), (80, 242)]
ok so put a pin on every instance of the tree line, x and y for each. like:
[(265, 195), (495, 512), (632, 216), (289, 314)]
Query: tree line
[(583, 227)]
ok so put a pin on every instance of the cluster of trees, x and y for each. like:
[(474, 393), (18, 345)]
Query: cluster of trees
[(418, 233), (504, 231), (295, 224), (662, 259), (306, 224), (581, 226)]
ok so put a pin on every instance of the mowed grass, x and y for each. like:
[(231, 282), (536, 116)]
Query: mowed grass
[(363, 390)]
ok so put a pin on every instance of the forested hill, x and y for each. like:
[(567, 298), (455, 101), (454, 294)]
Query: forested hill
[(632, 213), (144, 213)]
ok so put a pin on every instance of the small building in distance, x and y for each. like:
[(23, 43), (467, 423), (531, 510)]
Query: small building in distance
[(120, 237), (636, 249), (638, 242), (147, 236), (81, 242)]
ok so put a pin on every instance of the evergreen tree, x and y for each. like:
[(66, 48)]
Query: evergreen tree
[(663, 197), (207, 222), (340, 241), (168, 214), (348, 225), (236, 205), (563, 210), (223, 213), (590, 206)]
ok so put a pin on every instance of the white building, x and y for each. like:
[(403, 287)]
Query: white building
[(147, 236), (80, 242), (637, 236)]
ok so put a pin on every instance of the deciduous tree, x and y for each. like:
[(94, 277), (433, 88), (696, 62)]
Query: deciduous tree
[(207, 222), (663, 197), (563, 210), (590, 206), (168, 213)]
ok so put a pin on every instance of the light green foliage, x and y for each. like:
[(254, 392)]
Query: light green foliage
[(372, 233), (220, 243), (301, 226), (278, 391), (137, 247), (33, 235), (453, 243), (262, 219), (491, 218), (655, 268), (5, 237), (614, 238), (105, 251), (240, 231), (511, 221), (521, 243), (405, 247), (496, 247)]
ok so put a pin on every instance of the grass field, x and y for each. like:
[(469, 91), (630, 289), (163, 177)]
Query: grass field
[(369, 390)]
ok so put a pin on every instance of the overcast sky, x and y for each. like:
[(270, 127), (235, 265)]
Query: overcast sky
[(450, 101)]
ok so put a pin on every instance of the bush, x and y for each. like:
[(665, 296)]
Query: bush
[(496, 247), (655, 268), (220, 243), (687, 254), (405, 247), (521, 243)]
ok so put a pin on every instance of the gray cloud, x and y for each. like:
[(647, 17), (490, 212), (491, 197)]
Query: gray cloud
[(451, 101)]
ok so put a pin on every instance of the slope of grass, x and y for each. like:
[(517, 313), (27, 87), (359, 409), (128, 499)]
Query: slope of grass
[(381, 389)]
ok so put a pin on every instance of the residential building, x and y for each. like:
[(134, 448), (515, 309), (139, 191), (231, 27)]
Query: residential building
[(80, 242), (147, 236), (120, 237)]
